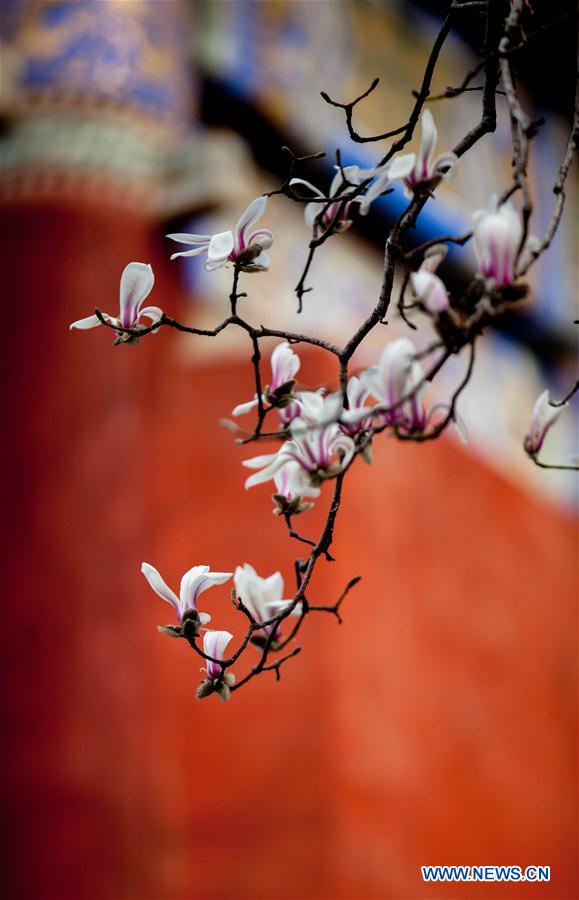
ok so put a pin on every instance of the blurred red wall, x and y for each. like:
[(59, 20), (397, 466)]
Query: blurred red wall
[(437, 725)]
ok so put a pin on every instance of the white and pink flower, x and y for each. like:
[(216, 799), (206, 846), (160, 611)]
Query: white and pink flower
[(261, 596), (427, 166), (214, 645), (339, 209), (193, 584), (242, 247), (544, 416), (285, 365), (321, 452), (397, 383), (497, 236), (426, 286), (137, 282)]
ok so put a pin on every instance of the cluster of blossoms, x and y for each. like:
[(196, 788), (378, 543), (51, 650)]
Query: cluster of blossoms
[(325, 434), (321, 433), (261, 597)]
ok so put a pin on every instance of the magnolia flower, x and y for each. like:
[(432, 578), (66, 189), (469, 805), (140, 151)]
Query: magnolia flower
[(291, 486), (497, 236), (543, 417), (427, 287), (426, 167), (284, 366), (215, 644), (339, 210), (357, 394), (320, 451), (193, 583), (261, 596), (137, 281), (398, 375), (242, 247), (218, 680)]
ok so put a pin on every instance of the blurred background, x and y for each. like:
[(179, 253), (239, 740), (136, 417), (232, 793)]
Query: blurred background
[(438, 724)]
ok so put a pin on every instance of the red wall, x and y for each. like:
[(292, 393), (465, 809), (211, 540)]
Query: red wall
[(437, 725)]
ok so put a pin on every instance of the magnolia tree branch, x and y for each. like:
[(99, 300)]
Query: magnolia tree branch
[(319, 438)]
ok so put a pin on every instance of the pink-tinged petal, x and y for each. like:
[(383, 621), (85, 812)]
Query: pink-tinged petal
[(197, 580), (183, 238), (83, 324), (244, 408), (427, 146), (161, 588), (214, 644), (544, 415), (196, 252), (220, 247), (445, 164), (137, 283), (284, 365), (430, 290), (254, 211), (264, 238)]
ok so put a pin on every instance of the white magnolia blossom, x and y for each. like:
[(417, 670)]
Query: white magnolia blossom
[(320, 451), (427, 166), (497, 236), (137, 282), (398, 375), (543, 417), (427, 287), (357, 394), (242, 247), (284, 366), (398, 383), (261, 596), (292, 482), (193, 583), (215, 644), (340, 211)]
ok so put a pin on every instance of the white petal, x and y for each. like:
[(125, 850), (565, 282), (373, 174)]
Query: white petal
[(311, 212), (220, 247), (254, 211), (214, 264), (160, 587), (445, 164), (83, 324), (137, 282), (152, 312), (196, 252), (243, 408), (460, 427), (182, 238), (401, 166), (300, 181), (374, 191), (215, 642), (257, 462), (427, 145)]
